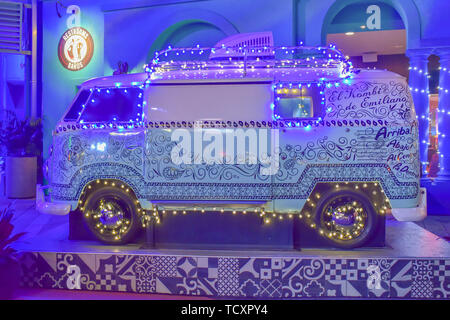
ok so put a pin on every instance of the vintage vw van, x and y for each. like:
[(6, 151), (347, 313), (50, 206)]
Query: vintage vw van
[(246, 127)]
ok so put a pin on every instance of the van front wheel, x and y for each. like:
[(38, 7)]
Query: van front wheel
[(346, 218), (111, 215)]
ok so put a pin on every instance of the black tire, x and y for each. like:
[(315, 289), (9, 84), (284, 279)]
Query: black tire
[(107, 206), (331, 220)]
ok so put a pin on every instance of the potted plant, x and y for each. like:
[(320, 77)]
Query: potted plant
[(9, 264), (22, 140)]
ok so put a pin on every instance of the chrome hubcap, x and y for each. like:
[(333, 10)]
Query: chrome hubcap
[(344, 218), (111, 218)]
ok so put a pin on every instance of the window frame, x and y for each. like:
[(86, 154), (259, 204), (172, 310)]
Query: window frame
[(91, 92), (317, 111)]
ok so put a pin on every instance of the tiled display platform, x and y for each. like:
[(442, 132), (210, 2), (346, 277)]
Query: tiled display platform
[(415, 265), (237, 276)]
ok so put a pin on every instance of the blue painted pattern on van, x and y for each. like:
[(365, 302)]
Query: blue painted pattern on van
[(334, 161), (371, 100)]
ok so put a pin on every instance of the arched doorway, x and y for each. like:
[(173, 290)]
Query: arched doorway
[(191, 27), (187, 33), (372, 34)]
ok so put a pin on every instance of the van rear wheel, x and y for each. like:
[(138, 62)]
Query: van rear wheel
[(111, 215), (347, 219)]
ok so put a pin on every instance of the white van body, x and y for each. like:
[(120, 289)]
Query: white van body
[(348, 131)]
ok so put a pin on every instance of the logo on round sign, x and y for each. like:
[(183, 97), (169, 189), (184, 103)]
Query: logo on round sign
[(75, 48)]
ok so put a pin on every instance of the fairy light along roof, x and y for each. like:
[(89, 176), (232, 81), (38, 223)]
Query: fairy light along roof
[(293, 63)]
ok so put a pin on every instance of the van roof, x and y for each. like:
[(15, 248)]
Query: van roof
[(244, 60), (116, 80), (303, 76), (376, 74)]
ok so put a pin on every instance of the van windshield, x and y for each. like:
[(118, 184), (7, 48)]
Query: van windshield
[(113, 105), (107, 105)]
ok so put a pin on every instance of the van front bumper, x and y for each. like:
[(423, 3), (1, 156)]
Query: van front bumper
[(413, 214), (47, 207)]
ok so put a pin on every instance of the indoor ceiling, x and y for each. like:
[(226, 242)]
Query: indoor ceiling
[(382, 42)]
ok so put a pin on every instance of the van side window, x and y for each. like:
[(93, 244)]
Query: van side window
[(113, 104), (77, 106), (299, 101)]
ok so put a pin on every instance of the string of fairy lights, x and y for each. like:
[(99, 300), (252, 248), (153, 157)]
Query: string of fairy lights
[(241, 58), (329, 58), (294, 88), (120, 224), (426, 118), (442, 111)]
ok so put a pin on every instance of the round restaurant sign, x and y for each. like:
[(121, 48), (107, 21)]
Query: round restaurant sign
[(75, 48)]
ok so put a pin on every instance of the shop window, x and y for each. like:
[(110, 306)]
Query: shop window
[(298, 102), (113, 105)]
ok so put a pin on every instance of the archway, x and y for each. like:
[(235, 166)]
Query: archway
[(186, 33), (371, 33), (192, 27), (406, 9)]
